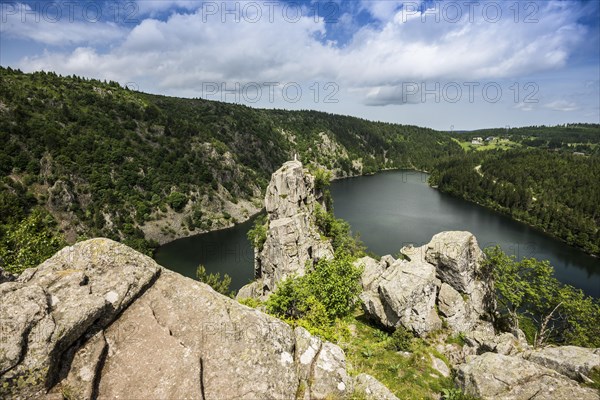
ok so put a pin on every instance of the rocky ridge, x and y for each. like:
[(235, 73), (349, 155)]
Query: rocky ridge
[(293, 240), (99, 320)]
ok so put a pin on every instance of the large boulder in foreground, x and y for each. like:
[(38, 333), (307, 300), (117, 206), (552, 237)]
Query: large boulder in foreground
[(99, 320), (442, 276), (292, 237), (80, 289), (499, 377), (189, 341)]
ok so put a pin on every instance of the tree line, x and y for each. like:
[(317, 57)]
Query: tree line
[(557, 192)]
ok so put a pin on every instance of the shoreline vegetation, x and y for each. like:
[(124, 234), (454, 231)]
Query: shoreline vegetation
[(554, 193), (537, 228)]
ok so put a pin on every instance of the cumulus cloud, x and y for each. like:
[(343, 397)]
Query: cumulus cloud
[(403, 43), (525, 106)]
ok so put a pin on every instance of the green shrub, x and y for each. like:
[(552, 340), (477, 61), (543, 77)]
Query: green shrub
[(401, 340), (218, 283), (455, 394), (177, 201), (322, 183), (289, 300), (250, 302), (329, 291), (336, 284), (30, 242), (532, 299), (257, 235), (338, 231)]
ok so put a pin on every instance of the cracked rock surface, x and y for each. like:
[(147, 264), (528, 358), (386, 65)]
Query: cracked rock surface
[(499, 377), (99, 320), (572, 361), (80, 289), (444, 275)]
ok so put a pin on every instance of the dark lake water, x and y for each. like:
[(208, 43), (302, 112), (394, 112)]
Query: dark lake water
[(390, 210)]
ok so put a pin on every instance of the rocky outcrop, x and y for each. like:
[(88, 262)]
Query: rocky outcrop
[(444, 280), (458, 261), (498, 377), (292, 237), (48, 309), (445, 274), (99, 320), (484, 339), (405, 295), (571, 361)]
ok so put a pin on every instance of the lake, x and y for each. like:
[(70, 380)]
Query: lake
[(389, 210)]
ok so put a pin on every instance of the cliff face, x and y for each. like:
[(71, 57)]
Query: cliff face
[(292, 237), (101, 320)]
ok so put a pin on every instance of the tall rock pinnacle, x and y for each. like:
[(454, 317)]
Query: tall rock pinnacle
[(293, 239)]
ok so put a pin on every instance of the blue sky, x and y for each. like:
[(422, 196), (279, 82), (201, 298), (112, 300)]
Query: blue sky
[(443, 64)]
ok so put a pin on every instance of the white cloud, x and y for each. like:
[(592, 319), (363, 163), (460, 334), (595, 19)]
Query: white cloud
[(189, 48), (57, 26), (562, 105), (525, 106)]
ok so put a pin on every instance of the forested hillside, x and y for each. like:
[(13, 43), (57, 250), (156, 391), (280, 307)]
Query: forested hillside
[(556, 191), (85, 158)]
